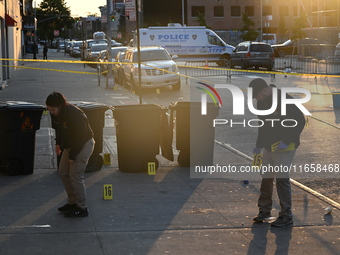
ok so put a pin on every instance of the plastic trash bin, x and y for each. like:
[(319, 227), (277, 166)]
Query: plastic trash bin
[(95, 113), (336, 99), (140, 131), (195, 134), (18, 124)]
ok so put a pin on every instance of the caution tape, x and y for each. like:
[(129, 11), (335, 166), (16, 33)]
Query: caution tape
[(47, 69)]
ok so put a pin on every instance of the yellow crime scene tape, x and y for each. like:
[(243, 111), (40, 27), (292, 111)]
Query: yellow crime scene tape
[(182, 75)]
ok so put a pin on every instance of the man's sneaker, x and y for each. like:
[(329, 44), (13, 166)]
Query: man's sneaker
[(77, 212), (282, 221), (67, 208), (262, 216)]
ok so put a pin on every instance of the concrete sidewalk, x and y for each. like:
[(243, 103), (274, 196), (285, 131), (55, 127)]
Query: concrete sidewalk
[(169, 213)]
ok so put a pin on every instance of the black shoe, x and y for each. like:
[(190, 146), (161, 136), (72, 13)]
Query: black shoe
[(262, 216), (282, 221), (77, 212), (67, 208)]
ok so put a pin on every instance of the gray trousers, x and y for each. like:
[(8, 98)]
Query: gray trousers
[(282, 183), (72, 174)]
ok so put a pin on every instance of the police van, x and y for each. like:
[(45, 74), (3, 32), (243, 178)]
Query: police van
[(187, 42)]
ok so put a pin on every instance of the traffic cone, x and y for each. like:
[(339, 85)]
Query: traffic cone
[(206, 65)]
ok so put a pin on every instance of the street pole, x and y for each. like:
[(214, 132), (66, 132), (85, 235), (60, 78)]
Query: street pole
[(109, 76), (183, 13), (261, 6), (138, 53)]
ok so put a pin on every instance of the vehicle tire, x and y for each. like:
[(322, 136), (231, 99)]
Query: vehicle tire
[(133, 85), (177, 86), (281, 53), (231, 64), (123, 81), (224, 60)]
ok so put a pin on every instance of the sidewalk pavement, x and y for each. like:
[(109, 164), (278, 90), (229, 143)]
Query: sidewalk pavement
[(168, 213)]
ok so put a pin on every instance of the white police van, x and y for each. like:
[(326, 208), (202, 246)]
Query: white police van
[(187, 42)]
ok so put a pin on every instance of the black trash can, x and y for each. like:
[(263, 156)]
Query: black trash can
[(95, 113), (140, 131), (18, 124), (195, 134)]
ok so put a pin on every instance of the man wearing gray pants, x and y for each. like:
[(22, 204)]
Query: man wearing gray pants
[(278, 145)]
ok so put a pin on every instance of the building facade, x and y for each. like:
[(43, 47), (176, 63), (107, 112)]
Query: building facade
[(269, 16), (10, 38)]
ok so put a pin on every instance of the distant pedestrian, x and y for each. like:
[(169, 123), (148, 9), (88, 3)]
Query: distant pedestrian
[(278, 145), (58, 46), (75, 143), (34, 50), (45, 50)]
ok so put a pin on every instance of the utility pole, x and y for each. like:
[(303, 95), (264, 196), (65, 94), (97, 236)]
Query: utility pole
[(109, 76)]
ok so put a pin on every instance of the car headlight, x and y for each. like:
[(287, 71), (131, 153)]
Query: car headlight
[(174, 68)]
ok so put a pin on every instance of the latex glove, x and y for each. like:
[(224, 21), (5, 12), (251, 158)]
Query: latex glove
[(257, 150), (282, 146)]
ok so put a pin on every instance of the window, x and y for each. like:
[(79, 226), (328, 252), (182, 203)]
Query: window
[(283, 10), (249, 10), (267, 10), (219, 11), (295, 11), (214, 40), (235, 11), (195, 10)]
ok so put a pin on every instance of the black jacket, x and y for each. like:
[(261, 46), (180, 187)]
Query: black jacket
[(72, 129), (268, 135)]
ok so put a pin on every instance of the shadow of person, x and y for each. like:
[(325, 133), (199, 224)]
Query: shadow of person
[(283, 236), (259, 240)]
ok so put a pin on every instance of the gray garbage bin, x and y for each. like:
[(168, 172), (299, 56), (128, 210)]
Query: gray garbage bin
[(140, 131), (195, 134), (18, 124)]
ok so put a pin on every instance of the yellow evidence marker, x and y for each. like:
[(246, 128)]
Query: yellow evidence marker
[(151, 168), (108, 193)]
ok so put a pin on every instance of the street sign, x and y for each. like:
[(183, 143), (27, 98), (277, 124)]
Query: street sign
[(56, 32), (130, 10)]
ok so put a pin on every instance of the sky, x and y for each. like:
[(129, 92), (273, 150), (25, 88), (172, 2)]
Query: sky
[(81, 7)]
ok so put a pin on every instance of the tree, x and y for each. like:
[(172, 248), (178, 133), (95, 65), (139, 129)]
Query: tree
[(300, 22), (283, 31), (248, 33), (201, 20), (53, 15)]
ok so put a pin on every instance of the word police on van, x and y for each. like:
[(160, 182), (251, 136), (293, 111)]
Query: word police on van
[(189, 43)]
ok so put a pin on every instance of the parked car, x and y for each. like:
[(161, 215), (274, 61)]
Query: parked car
[(95, 50), (337, 51), (68, 46), (86, 47), (306, 46), (253, 54), (117, 67), (113, 53), (76, 48), (156, 61), (101, 66)]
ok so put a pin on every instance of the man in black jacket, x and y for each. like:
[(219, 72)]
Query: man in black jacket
[(278, 143), (75, 143)]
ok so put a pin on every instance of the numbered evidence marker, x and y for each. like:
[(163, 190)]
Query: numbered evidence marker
[(108, 193), (151, 168), (107, 159)]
